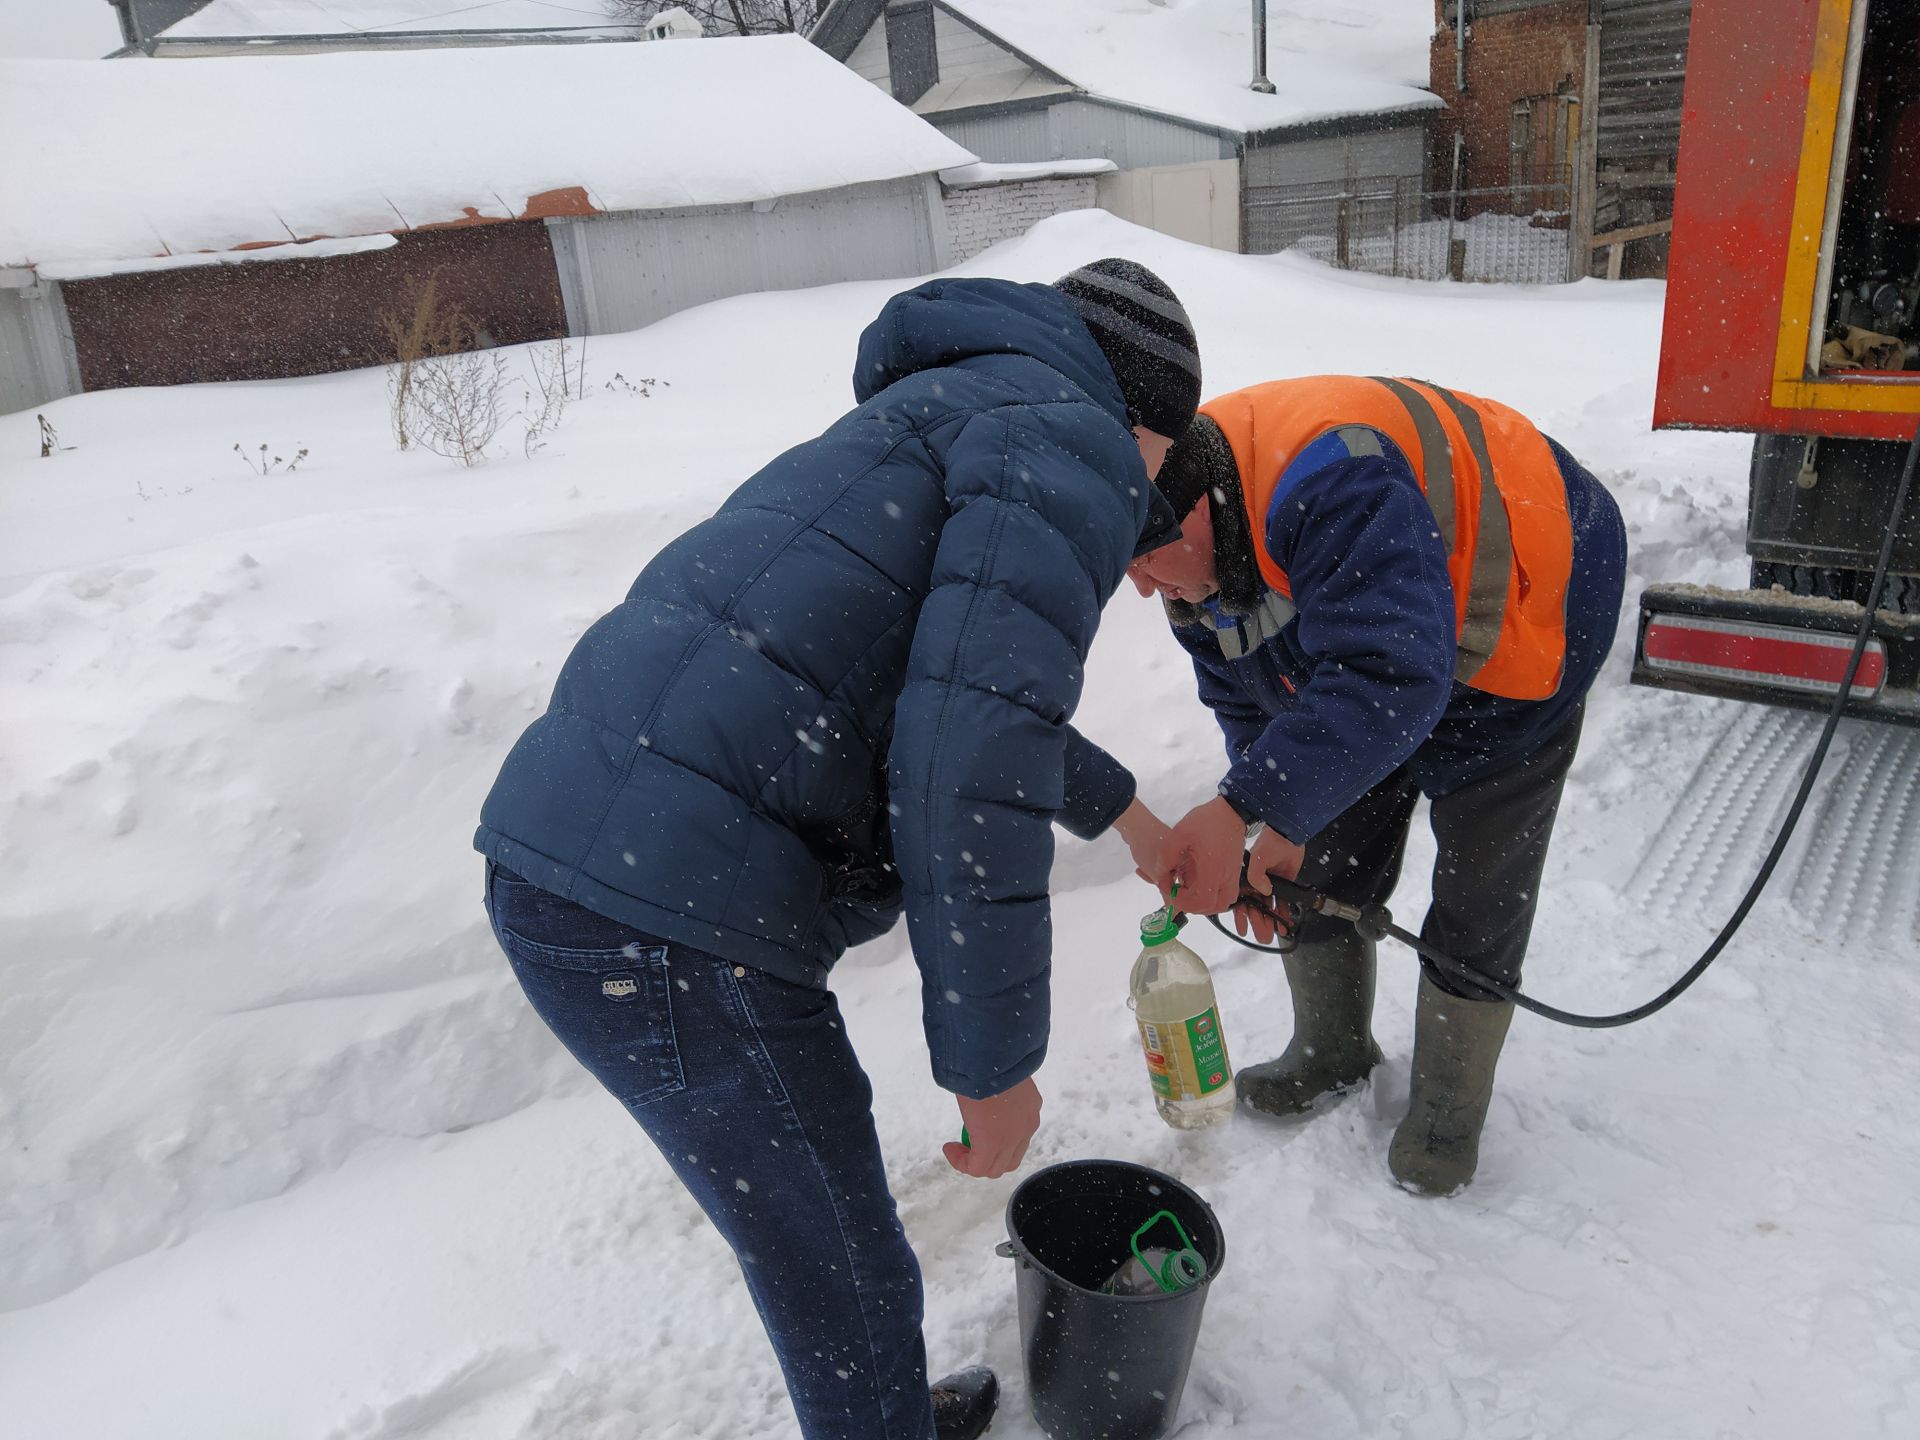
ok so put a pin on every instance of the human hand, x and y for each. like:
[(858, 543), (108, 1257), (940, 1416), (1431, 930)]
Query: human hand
[(1209, 842), (1149, 840), (1258, 921), (1272, 854), (999, 1129)]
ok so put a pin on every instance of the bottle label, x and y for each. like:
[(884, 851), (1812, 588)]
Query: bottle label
[(1186, 1059)]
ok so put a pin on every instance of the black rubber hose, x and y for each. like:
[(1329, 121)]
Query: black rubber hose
[(1374, 921)]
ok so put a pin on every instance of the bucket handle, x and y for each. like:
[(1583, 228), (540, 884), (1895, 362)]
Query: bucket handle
[(1004, 1250), (1183, 1268)]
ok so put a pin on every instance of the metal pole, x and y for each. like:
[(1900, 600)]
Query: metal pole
[(1460, 46), (1456, 243), (1586, 163), (1260, 81)]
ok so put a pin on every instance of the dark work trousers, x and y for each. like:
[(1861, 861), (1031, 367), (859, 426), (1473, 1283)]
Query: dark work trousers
[(1493, 838), (750, 1088)]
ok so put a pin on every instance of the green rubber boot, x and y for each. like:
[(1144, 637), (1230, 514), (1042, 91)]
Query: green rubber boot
[(1332, 1047), (1456, 1044)]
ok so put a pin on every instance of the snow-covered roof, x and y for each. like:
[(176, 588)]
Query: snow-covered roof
[(194, 259), (264, 19), (1193, 59), (127, 160)]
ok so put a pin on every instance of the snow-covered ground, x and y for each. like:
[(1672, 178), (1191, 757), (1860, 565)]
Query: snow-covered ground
[(283, 1155)]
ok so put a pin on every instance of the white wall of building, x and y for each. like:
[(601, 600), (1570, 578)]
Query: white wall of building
[(1198, 202)]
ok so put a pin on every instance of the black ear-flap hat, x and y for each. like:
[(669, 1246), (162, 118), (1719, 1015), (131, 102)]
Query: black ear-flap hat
[(1143, 330), (1200, 463)]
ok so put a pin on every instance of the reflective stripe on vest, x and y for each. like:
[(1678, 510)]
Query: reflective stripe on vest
[(1509, 550), (1493, 548)]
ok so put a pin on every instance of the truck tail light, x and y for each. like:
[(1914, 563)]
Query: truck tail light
[(1808, 661)]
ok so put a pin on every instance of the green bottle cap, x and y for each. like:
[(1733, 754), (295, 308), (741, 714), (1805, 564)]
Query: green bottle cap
[(1163, 924)]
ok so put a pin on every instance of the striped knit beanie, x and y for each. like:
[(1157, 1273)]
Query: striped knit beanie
[(1146, 336)]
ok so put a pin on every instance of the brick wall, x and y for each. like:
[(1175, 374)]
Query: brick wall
[(984, 215), (304, 317), (1512, 54)]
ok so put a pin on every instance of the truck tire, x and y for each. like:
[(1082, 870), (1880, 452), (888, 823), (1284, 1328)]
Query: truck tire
[(1901, 595)]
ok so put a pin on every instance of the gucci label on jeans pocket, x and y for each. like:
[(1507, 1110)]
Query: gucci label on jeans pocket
[(619, 987)]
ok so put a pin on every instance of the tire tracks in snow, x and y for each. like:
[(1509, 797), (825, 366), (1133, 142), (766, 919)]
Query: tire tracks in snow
[(1852, 870)]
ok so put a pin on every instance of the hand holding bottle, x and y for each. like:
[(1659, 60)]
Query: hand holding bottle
[(998, 1130), (1211, 842)]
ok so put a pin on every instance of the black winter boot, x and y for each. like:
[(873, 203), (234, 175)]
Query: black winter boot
[(963, 1403), (1456, 1044), (1332, 1047)]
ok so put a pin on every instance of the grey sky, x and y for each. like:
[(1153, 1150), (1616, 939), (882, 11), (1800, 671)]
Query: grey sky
[(57, 29)]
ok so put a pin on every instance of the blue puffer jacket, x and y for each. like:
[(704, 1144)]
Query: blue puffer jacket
[(877, 638)]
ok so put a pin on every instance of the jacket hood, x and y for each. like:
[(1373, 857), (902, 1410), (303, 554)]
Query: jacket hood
[(946, 322)]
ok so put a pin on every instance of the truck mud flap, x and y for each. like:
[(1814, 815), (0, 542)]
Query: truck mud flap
[(1777, 649)]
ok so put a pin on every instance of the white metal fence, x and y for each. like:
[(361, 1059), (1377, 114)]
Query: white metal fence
[(1395, 226)]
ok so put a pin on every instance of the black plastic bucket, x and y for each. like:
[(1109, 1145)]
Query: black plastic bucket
[(1103, 1366)]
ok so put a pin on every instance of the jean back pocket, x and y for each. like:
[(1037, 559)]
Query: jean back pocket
[(610, 1004)]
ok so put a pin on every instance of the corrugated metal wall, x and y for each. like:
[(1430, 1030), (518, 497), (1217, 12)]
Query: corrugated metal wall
[(1016, 135), (37, 359), (1643, 65), (1082, 130), (1376, 155), (1275, 171), (620, 272)]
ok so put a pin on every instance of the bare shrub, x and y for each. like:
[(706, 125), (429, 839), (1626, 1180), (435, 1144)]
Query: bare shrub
[(265, 465), (453, 403), (620, 384), (558, 377)]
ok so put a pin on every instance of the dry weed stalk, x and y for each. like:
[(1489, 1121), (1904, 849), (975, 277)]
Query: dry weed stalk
[(426, 325)]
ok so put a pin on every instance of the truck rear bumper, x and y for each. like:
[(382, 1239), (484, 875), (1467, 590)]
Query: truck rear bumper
[(1778, 649)]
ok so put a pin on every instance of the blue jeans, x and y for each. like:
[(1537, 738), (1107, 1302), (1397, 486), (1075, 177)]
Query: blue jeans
[(750, 1089)]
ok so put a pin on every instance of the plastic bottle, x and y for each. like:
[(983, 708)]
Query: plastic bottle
[(1172, 998)]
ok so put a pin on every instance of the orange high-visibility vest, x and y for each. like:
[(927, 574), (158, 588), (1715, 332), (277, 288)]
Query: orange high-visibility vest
[(1496, 492)]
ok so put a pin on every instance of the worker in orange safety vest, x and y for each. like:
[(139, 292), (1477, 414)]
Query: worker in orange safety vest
[(1387, 589)]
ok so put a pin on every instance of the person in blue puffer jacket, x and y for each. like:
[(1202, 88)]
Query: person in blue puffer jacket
[(844, 694)]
